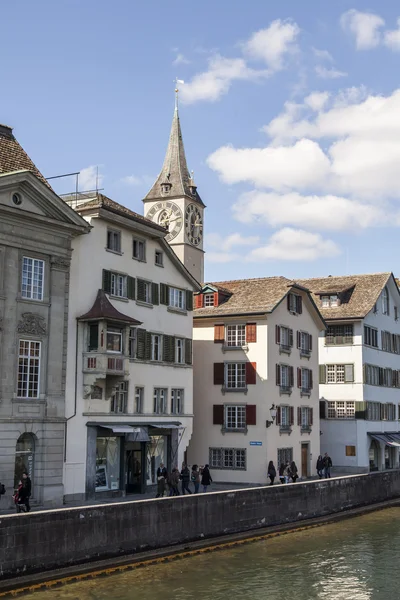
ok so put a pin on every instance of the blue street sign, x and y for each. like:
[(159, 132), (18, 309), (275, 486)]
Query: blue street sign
[(255, 443)]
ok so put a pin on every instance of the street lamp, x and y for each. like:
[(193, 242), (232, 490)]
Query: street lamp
[(273, 412)]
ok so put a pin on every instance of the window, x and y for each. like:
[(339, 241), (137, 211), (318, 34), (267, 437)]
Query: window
[(28, 369), (370, 336), (284, 337), (177, 298), (114, 339), (227, 458), (336, 373), (139, 399), (284, 455), (236, 335), (350, 451), (341, 409), (32, 278), (160, 401), (304, 342), (371, 374), (179, 350), (159, 258), (107, 463), (373, 411), (24, 458), (118, 285), (385, 301), (374, 375), (132, 342), (388, 412), (284, 378), (114, 240), (156, 346), (396, 316), (305, 380), (119, 399), (330, 301), (176, 402), (305, 418), (235, 375), (139, 249), (339, 335), (93, 337), (235, 417), (144, 293), (295, 304), (390, 342), (285, 417), (208, 300)]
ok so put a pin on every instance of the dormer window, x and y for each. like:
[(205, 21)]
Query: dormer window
[(330, 301), (208, 299), (165, 188)]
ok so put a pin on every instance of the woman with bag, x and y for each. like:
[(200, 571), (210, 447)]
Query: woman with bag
[(205, 478), (271, 472), (195, 478)]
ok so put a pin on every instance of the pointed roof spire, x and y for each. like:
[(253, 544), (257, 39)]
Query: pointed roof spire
[(174, 179)]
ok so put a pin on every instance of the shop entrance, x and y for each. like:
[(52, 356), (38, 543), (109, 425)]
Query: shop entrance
[(134, 472)]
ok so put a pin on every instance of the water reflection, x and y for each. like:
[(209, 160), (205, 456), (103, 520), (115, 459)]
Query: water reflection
[(351, 560)]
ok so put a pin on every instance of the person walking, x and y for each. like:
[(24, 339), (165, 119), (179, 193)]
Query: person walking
[(271, 472), (205, 478), (20, 498), (287, 472), (320, 466), (174, 482), (282, 473), (27, 483), (185, 476), (294, 474), (195, 478), (327, 465), (161, 478)]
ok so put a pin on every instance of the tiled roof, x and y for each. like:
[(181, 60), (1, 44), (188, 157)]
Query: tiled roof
[(103, 309), (249, 296), (101, 201), (361, 293), (13, 157)]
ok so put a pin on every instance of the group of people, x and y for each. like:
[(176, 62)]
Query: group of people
[(287, 472), (169, 482), (324, 464)]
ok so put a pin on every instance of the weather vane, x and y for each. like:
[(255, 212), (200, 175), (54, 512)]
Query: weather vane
[(176, 81)]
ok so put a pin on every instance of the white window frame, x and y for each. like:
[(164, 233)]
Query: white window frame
[(234, 459), (335, 373), (160, 401), (156, 347), (305, 417), (139, 249), (116, 332), (385, 301), (329, 300), (29, 364), (285, 377), (285, 416), (147, 292), (118, 286), (177, 399), (305, 380), (119, 400), (139, 399), (160, 262), (179, 351), (284, 455), (235, 335), (114, 240), (177, 298), (32, 280), (208, 300), (235, 373), (293, 303), (235, 417), (341, 409)]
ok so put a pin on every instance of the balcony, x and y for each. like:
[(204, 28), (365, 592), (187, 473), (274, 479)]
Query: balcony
[(305, 392), (285, 389), (305, 353), (285, 349), (103, 364)]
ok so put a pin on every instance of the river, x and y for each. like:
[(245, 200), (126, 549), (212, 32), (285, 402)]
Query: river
[(353, 559)]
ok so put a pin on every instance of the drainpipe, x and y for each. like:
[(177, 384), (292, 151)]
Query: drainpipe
[(76, 392)]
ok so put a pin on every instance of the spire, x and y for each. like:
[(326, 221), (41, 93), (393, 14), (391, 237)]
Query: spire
[(174, 179)]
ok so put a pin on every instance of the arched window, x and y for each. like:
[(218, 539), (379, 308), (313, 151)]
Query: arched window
[(24, 457), (385, 301)]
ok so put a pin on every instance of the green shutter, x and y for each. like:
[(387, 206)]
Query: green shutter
[(131, 288), (93, 336), (154, 293), (348, 373), (189, 300), (164, 294), (188, 352), (140, 290), (322, 373), (107, 281), (169, 348), (141, 344), (361, 410), (147, 348)]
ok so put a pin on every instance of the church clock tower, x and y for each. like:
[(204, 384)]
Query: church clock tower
[(174, 202)]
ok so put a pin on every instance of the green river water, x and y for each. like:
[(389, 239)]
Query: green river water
[(357, 559)]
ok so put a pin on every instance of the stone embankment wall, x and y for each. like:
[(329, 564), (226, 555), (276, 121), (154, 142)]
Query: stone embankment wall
[(58, 538)]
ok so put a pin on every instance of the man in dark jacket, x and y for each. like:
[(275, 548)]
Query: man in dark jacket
[(27, 483), (185, 476), (327, 465), (162, 475)]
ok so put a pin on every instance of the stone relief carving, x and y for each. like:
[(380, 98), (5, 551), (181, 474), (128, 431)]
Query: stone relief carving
[(32, 324), (57, 262), (87, 391), (97, 392)]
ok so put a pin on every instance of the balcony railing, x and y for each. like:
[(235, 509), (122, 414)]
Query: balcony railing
[(103, 364), (285, 349)]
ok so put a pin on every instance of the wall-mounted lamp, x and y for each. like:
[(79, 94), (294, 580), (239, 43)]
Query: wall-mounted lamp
[(273, 412)]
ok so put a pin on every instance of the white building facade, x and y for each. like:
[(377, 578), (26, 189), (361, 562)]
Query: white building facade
[(359, 370), (255, 355)]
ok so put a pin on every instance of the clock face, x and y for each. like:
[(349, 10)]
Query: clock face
[(193, 224), (169, 215)]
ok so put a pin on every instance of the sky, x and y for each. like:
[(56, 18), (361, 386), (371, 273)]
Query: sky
[(290, 113)]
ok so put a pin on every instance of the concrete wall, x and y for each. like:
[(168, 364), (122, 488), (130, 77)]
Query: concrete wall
[(38, 541)]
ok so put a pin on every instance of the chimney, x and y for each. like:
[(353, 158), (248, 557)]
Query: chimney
[(6, 131)]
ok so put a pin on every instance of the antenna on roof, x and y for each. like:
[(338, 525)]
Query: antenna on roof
[(97, 179)]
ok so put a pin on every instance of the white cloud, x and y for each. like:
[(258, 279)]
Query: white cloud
[(233, 240), (322, 55), (391, 38), (180, 59), (331, 73), (364, 26), (295, 244), (273, 44), (317, 100), (89, 178), (131, 180)]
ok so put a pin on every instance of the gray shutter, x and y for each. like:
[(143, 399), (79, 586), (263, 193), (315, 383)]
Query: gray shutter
[(140, 290), (189, 300), (361, 410), (154, 293), (107, 281), (168, 348), (141, 344), (322, 373), (348, 373), (188, 352), (147, 346), (131, 288), (164, 294)]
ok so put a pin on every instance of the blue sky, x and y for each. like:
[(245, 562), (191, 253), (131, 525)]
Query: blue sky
[(290, 114)]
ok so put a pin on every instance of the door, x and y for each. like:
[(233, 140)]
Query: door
[(134, 471), (304, 461)]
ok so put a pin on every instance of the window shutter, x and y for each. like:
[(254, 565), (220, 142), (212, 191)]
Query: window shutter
[(322, 409), (291, 338), (298, 377), (361, 410), (164, 294), (154, 293), (291, 415), (299, 415), (278, 374), (219, 369), (189, 300), (147, 350), (277, 334), (278, 415), (288, 302), (131, 288), (216, 298), (107, 281), (251, 373), (188, 351), (251, 333), (168, 348), (310, 378), (310, 342), (298, 339), (198, 301), (218, 414), (93, 336), (251, 414), (219, 334), (348, 373), (140, 290), (299, 304), (311, 413), (141, 344), (382, 412), (322, 373), (291, 376)]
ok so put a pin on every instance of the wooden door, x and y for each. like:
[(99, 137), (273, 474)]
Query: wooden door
[(304, 461)]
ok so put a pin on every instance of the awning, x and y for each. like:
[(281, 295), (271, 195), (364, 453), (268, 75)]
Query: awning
[(118, 428), (166, 426), (139, 434), (390, 439)]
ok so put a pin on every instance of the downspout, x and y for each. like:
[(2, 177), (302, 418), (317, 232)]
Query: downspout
[(76, 392)]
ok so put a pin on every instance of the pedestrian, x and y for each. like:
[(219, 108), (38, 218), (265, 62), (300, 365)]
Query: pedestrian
[(320, 466), (286, 472), (195, 478), (185, 476), (282, 473), (27, 483), (174, 482), (271, 472), (293, 471), (20, 498), (205, 478), (161, 477), (2, 489), (327, 465)]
